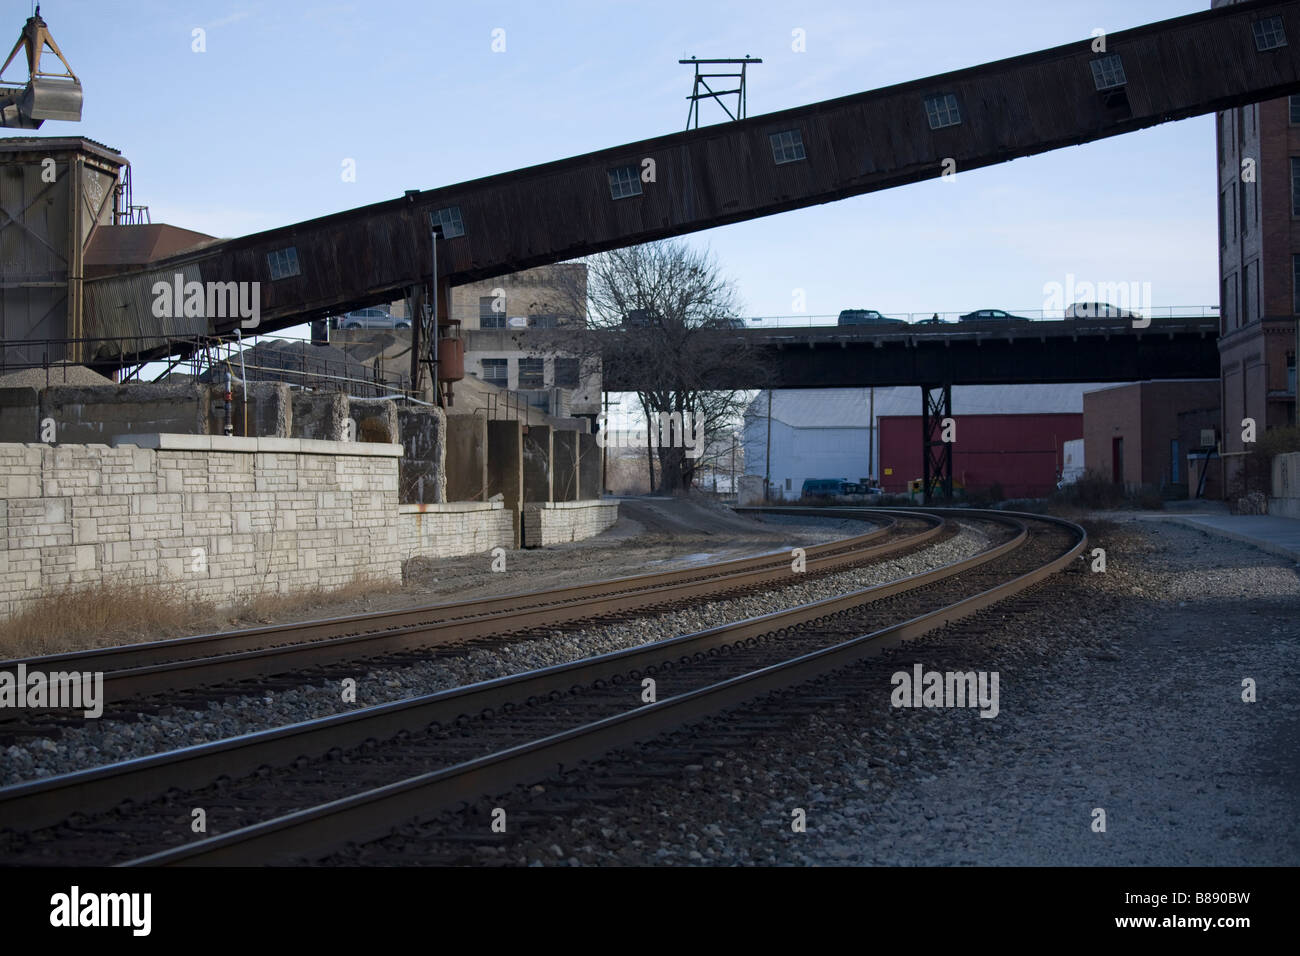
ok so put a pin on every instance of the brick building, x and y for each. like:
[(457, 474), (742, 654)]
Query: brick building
[(1142, 434), (1259, 264)]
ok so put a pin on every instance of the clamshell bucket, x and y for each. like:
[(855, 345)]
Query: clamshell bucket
[(53, 99), (55, 96)]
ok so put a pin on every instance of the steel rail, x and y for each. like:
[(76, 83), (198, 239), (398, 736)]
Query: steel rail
[(127, 656), (372, 813), (375, 634), (38, 803)]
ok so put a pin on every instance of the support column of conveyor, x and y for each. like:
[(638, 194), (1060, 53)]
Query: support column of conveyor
[(936, 405)]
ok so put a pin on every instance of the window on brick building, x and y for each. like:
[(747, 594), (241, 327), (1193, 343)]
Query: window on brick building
[(1295, 186), (1228, 301), (488, 317), (531, 374), (1250, 293), (1229, 216), (496, 371), (1294, 104), (1295, 284), (566, 373)]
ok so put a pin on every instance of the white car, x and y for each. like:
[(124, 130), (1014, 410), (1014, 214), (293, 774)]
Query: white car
[(371, 319)]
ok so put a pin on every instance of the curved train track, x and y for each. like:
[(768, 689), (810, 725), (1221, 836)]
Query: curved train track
[(137, 670), (301, 791)]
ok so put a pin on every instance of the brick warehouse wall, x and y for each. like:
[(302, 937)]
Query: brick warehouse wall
[(270, 515), (557, 522)]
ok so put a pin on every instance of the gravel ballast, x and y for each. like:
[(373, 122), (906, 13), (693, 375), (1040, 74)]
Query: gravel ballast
[(1121, 692), (106, 740)]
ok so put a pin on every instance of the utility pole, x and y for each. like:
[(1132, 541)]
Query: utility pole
[(767, 478), (734, 490), (871, 437)]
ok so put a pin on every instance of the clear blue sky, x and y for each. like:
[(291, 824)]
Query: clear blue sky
[(252, 133)]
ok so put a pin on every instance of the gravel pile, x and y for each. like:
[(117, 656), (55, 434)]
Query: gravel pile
[(68, 375), (1123, 692), (107, 740)]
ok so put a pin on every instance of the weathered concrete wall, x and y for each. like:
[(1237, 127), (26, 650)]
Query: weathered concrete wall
[(589, 467), (1285, 500), (467, 458), (96, 413), (506, 469), (320, 415), (218, 518), (376, 420), (270, 411), (453, 528), (564, 466), (538, 455), (20, 415), (424, 456), (560, 521)]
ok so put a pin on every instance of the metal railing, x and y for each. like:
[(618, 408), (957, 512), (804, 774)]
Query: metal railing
[(203, 358), (1034, 315)]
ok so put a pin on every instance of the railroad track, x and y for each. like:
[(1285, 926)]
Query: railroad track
[(413, 758), (207, 660)]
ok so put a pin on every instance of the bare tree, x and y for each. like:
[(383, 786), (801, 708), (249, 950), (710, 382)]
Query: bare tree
[(663, 315)]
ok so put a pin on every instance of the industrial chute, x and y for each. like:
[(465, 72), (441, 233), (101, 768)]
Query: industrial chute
[(55, 96)]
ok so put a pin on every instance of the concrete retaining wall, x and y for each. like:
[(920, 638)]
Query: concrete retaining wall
[(454, 527), (424, 438), (1285, 499), (467, 458), (219, 518), (559, 521), (320, 415)]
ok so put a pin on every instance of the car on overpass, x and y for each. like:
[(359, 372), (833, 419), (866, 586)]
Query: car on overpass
[(723, 322), (866, 317), (991, 315), (1098, 310), (371, 319)]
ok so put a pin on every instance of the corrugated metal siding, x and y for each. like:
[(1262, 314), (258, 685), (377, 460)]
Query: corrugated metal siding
[(726, 174)]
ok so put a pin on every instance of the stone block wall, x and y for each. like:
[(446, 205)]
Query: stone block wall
[(454, 528), (557, 522), (221, 519)]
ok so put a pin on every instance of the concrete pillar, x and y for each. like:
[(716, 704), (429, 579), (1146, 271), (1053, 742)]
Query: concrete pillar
[(564, 466), (423, 435), (467, 458), (589, 483), (505, 462), (538, 457)]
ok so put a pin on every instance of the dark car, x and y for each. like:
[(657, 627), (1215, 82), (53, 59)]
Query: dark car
[(639, 319), (991, 315), (867, 317), (724, 323), (822, 487)]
